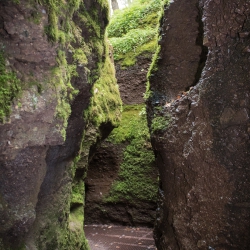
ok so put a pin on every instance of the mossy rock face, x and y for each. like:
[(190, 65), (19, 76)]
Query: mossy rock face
[(133, 31), (122, 179), (137, 168), (53, 57), (9, 88)]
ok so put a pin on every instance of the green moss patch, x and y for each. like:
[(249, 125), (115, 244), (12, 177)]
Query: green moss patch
[(133, 30), (139, 14), (137, 175), (106, 103), (78, 192), (130, 120), (60, 32), (160, 123), (9, 88), (76, 235), (132, 42), (153, 66)]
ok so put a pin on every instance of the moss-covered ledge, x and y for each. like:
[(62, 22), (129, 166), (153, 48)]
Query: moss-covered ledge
[(133, 31)]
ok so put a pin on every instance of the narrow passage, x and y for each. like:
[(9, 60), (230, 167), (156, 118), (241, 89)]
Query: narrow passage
[(109, 237)]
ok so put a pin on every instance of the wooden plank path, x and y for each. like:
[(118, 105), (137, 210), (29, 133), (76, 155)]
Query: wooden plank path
[(110, 237)]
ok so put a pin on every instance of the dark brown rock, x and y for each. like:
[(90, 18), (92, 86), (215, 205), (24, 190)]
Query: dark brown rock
[(102, 172), (132, 80), (181, 53), (31, 130), (204, 153)]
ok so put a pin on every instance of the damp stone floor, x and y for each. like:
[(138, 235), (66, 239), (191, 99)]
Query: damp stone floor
[(110, 237)]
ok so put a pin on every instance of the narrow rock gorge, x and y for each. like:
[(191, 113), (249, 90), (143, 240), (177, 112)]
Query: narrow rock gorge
[(122, 178), (60, 103)]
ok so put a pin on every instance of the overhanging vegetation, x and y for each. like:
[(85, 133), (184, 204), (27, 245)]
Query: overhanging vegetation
[(133, 31)]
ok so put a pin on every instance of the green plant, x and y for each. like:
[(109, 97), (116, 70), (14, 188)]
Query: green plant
[(131, 41), (140, 14), (9, 88), (160, 123)]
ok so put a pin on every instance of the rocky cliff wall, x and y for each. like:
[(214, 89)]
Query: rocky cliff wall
[(58, 97), (122, 179), (198, 112), (113, 193)]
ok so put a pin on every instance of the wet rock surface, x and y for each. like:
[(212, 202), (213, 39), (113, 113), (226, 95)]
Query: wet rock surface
[(116, 237), (203, 154)]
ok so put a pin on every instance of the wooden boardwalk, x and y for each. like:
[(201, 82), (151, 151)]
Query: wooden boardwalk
[(109, 237)]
